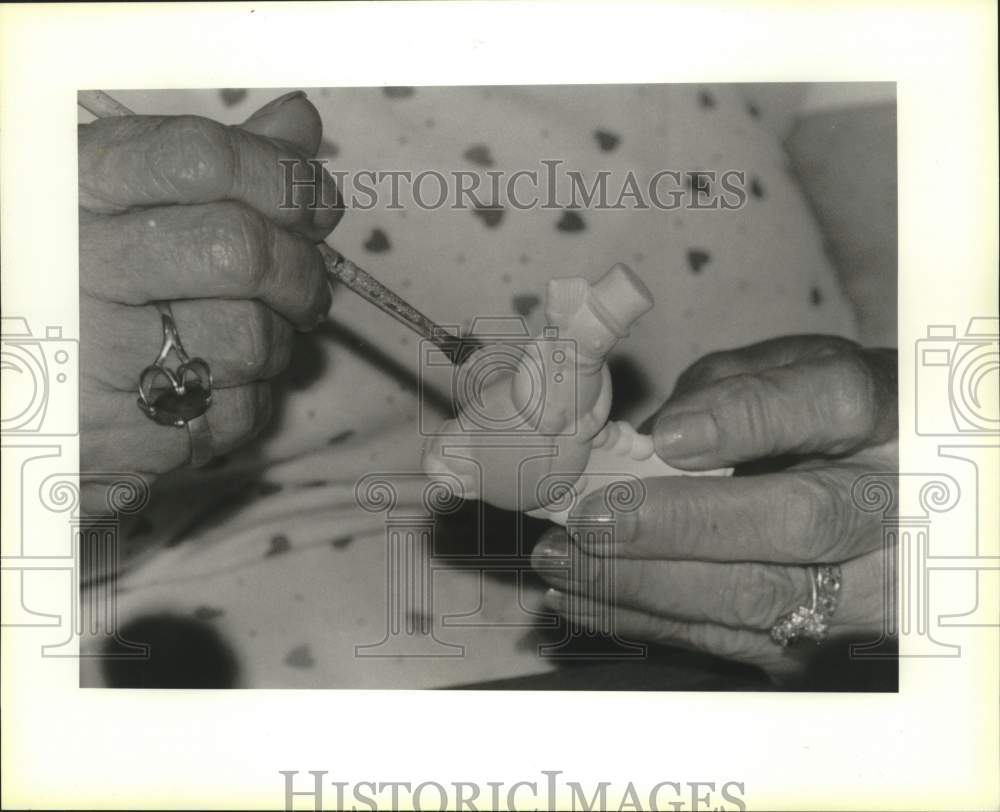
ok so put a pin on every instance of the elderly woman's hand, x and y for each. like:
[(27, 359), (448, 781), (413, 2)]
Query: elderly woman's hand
[(187, 211), (715, 562)]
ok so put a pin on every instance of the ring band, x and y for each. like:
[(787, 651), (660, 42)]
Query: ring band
[(178, 396), (201, 441), (813, 621)]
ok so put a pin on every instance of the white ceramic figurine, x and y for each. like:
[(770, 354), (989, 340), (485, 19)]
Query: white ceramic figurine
[(534, 416)]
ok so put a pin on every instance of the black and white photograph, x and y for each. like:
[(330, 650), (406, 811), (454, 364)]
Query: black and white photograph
[(640, 451), (480, 405)]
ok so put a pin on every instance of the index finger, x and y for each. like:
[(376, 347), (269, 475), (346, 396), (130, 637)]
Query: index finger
[(140, 161), (793, 517), (830, 403), (753, 358), (220, 250)]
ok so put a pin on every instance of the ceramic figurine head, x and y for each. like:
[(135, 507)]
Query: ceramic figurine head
[(597, 316)]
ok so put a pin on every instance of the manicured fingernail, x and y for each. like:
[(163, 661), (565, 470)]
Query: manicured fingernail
[(677, 436), (326, 216), (593, 508), (553, 545), (550, 558), (596, 522)]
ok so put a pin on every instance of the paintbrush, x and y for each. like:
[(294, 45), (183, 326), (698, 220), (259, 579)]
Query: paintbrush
[(338, 267)]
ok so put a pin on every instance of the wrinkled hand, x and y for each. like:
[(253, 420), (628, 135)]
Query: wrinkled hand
[(185, 210), (713, 562)]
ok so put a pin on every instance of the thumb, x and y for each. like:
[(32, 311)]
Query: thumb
[(290, 118)]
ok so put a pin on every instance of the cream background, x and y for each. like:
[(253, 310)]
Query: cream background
[(932, 746)]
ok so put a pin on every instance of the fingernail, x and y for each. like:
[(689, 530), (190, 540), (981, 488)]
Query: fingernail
[(274, 104), (553, 545), (595, 523), (326, 216), (685, 435), (593, 507), (550, 558)]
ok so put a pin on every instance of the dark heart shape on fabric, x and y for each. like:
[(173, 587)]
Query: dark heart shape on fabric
[(525, 303), (479, 154), (698, 259), (492, 216), (571, 222), (377, 242), (232, 96), (300, 657), (606, 140)]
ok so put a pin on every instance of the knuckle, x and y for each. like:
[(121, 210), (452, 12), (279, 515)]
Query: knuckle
[(237, 244), (258, 332), (679, 523), (281, 346), (303, 267), (743, 399), (592, 573), (813, 520), (801, 521), (628, 580), (321, 297), (852, 403), (710, 367), (195, 156), (245, 418), (714, 365), (722, 641), (760, 594), (264, 407), (709, 637), (835, 346)]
